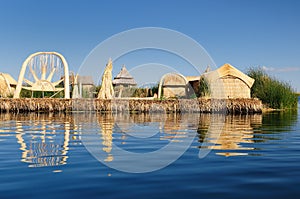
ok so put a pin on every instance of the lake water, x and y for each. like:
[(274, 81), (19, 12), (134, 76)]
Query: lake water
[(89, 155)]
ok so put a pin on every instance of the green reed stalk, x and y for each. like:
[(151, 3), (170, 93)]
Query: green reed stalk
[(276, 94)]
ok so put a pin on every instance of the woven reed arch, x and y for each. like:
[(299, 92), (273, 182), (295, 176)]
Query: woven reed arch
[(176, 82), (44, 71)]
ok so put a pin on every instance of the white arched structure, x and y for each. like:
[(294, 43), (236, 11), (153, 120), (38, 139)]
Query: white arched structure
[(176, 82), (43, 61)]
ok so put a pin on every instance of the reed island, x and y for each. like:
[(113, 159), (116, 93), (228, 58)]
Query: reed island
[(46, 85)]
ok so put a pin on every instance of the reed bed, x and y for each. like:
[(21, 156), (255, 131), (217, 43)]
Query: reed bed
[(274, 93), (202, 105)]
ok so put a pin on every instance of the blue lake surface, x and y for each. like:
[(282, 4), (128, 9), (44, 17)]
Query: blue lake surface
[(81, 155)]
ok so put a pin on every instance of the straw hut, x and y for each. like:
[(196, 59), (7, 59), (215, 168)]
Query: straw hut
[(123, 81), (7, 85), (172, 85), (83, 86), (229, 82)]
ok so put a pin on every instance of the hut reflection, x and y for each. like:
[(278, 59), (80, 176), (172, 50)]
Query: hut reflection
[(147, 125), (137, 125), (234, 134), (175, 126), (44, 139), (142, 132)]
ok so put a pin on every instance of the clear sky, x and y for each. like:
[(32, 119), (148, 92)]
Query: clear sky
[(244, 33)]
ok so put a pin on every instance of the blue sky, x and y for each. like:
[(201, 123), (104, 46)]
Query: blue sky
[(244, 33)]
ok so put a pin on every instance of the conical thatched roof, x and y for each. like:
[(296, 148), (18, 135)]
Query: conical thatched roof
[(124, 78)]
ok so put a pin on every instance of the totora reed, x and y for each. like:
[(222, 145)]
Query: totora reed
[(234, 106)]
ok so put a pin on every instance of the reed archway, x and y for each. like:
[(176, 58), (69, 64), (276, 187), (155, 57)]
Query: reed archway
[(44, 71), (173, 84)]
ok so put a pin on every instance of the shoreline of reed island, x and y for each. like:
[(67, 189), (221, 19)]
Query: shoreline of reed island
[(201, 105)]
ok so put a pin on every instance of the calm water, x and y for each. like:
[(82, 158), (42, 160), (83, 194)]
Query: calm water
[(69, 156)]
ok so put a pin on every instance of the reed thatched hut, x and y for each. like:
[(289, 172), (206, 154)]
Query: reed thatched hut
[(83, 86), (229, 82), (123, 81), (7, 85), (124, 78), (173, 85)]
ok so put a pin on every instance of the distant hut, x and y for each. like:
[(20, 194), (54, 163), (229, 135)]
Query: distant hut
[(123, 81), (86, 86), (7, 85), (173, 85), (82, 86), (229, 82)]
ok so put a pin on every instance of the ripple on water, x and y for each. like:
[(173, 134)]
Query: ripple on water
[(251, 155)]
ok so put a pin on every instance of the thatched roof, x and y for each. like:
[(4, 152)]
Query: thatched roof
[(7, 77), (229, 70), (124, 78)]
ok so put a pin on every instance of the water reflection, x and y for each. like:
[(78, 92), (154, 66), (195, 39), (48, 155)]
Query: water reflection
[(241, 133), (275, 123), (237, 131), (44, 139), (139, 133), (106, 123)]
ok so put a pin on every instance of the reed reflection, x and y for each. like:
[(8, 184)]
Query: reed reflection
[(106, 123), (43, 138), (169, 126), (275, 123), (143, 132), (233, 137)]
